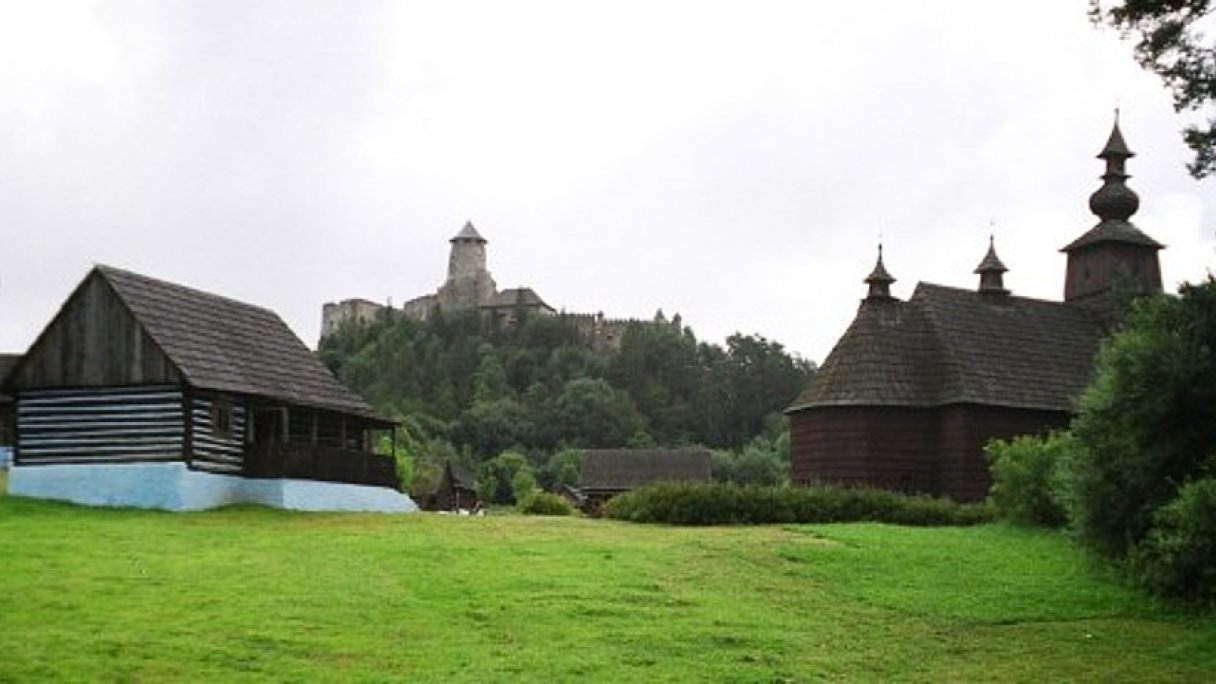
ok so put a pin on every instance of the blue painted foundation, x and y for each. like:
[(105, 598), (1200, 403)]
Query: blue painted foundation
[(174, 487)]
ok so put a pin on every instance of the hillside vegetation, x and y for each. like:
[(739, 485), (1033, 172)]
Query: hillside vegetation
[(468, 391), (262, 595)]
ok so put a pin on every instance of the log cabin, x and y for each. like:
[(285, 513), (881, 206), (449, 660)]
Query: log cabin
[(141, 392), (913, 390)]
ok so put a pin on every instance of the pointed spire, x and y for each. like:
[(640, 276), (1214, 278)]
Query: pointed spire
[(1114, 201), (1115, 147), (468, 233), (879, 280), (991, 271)]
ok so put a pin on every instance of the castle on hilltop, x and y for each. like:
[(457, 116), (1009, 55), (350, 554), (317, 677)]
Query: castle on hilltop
[(469, 286)]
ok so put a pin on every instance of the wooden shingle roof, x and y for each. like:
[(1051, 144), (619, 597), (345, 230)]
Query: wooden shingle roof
[(947, 345), (623, 469), (225, 345), (461, 476)]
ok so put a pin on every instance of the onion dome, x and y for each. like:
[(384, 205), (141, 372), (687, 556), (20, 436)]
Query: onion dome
[(1114, 200)]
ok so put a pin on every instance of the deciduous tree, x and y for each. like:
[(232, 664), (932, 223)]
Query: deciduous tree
[(1175, 39)]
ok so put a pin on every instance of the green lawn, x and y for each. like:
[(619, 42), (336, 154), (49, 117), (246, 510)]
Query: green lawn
[(252, 594)]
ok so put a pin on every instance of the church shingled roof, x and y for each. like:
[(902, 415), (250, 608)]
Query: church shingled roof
[(947, 345)]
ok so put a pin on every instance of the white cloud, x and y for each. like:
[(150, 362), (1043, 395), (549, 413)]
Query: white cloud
[(734, 163)]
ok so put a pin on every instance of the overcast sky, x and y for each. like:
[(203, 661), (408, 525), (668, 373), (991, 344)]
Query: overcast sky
[(733, 162)]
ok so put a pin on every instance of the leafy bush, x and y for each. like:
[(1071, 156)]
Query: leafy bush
[(499, 478), (725, 504), (546, 503), (762, 461), (1178, 556), (1147, 423), (1025, 478)]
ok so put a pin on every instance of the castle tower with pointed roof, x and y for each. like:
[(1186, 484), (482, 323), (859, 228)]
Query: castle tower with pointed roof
[(469, 283)]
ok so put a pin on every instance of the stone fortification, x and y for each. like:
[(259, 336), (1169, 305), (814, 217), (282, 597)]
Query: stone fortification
[(360, 311), (469, 285)]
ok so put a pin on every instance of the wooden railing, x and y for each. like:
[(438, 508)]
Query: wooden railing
[(314, 462)]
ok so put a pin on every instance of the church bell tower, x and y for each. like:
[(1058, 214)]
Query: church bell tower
[(1114, 257)]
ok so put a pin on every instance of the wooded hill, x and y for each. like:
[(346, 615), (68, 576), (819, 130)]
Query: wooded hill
[(468, 390)]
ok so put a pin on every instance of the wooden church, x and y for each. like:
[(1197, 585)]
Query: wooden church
[(913, 390), (146, 393)]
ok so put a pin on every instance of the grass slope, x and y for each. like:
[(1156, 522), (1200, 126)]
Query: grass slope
[(253, 594)]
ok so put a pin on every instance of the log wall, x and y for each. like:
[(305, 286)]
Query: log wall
[(99, 425), (217, 434)]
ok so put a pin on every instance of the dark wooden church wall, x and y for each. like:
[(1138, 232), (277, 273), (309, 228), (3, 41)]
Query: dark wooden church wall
[(890, 447), (827, 445), (966, 428), (94, 341), (100, 425)]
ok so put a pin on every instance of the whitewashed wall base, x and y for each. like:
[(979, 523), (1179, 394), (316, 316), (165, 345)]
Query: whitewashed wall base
[(174, 487)]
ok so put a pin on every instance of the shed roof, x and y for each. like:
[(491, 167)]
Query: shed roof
[(622, 469), (948, 345), (225, 345), (460, 476)]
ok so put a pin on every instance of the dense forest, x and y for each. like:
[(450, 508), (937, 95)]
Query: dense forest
[(499, 399)]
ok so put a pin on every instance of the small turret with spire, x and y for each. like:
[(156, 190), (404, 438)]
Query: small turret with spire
[(1114, 254), (991, 271), (879, 280)]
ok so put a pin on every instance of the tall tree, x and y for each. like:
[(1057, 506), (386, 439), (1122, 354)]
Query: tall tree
[(1175, 39)]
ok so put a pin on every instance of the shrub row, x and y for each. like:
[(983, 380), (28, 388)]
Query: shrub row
[(725, 504)]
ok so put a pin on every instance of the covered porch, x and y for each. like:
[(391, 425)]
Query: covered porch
[(301, 442)]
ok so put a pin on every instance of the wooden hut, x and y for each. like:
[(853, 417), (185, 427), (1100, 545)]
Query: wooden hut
[(914, 389), (608, 472), (456, 490), (138, 387)]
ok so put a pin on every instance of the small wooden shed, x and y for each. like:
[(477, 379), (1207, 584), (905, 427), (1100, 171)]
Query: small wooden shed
[(456, 491), (608, 472)]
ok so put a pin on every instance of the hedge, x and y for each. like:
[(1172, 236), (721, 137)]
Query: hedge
[(726, 504)]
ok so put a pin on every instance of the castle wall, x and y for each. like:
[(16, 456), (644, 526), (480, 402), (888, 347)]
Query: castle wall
[(420, 308), (360, 311)]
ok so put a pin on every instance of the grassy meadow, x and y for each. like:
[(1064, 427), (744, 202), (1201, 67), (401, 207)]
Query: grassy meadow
[(250, 594)]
